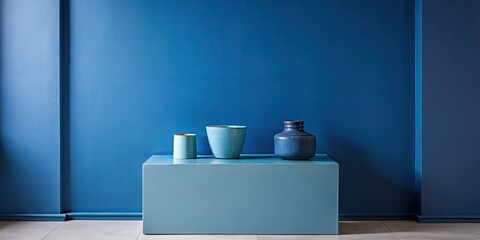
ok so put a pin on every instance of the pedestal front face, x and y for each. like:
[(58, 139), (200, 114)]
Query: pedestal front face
[(257, 194)]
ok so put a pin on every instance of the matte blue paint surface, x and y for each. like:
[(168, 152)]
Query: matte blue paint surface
[(29, 107), (367, 98), (451, 112), (258, 194), (144, 70)]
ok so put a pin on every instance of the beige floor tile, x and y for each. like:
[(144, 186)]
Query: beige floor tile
[(436, 231), (21, 230), (98, 230), (198, 237), (362, 227), (348, 230), (380, 236), (356, 230)]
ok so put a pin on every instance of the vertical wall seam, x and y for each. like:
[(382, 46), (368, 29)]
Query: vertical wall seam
[(418, 104), (64, 104)]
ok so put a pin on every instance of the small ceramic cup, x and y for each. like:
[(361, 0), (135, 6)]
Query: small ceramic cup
[(226, 141), (184, 146)]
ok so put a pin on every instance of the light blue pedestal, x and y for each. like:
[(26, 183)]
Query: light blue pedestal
[(256, 194)]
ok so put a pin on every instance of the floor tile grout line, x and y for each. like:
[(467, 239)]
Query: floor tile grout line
[(391, 231), (53, 230), (141, 230)]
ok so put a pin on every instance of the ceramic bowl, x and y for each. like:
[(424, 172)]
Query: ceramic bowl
[(226, 141)]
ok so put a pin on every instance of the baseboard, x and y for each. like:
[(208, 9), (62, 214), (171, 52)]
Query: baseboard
[(104, 216), (138, 216), (448, 218), (32, 217), (412, 216), (376, 217)]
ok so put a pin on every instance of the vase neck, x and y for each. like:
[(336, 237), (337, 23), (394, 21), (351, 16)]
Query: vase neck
[(293, 125)]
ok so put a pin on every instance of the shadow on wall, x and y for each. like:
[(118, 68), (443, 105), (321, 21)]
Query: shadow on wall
[(362, 188), (7, 180)]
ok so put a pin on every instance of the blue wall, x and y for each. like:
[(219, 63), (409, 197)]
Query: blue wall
[(29, 107), (139, 71), (451, 116), (144, 70), (367, 97)]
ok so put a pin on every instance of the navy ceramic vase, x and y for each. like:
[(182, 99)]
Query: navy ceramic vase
[(294, 143)]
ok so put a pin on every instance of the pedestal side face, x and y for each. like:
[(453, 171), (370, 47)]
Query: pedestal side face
[(240, 198)]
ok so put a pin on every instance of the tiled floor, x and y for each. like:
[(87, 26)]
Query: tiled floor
[(131, 230)]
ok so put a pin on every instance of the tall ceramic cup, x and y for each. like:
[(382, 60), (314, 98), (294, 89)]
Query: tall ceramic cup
[(184, 146), (226, 141)]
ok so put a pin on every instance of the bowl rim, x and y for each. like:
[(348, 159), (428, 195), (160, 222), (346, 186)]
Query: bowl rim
[(227, 126)]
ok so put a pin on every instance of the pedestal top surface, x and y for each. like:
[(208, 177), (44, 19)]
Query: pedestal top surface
[(245, 159)]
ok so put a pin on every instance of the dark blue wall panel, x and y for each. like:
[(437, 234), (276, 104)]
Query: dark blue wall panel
[(451, 115), (144, 70), (368, 99), (29, 107)]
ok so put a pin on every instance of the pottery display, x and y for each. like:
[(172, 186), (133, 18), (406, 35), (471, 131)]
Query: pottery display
[(184, 146), (294, 143), (226, 141)]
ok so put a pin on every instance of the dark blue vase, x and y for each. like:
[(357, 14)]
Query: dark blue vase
[(294, 143)]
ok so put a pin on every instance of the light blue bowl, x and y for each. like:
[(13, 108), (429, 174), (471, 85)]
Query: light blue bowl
[(226, 141)]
